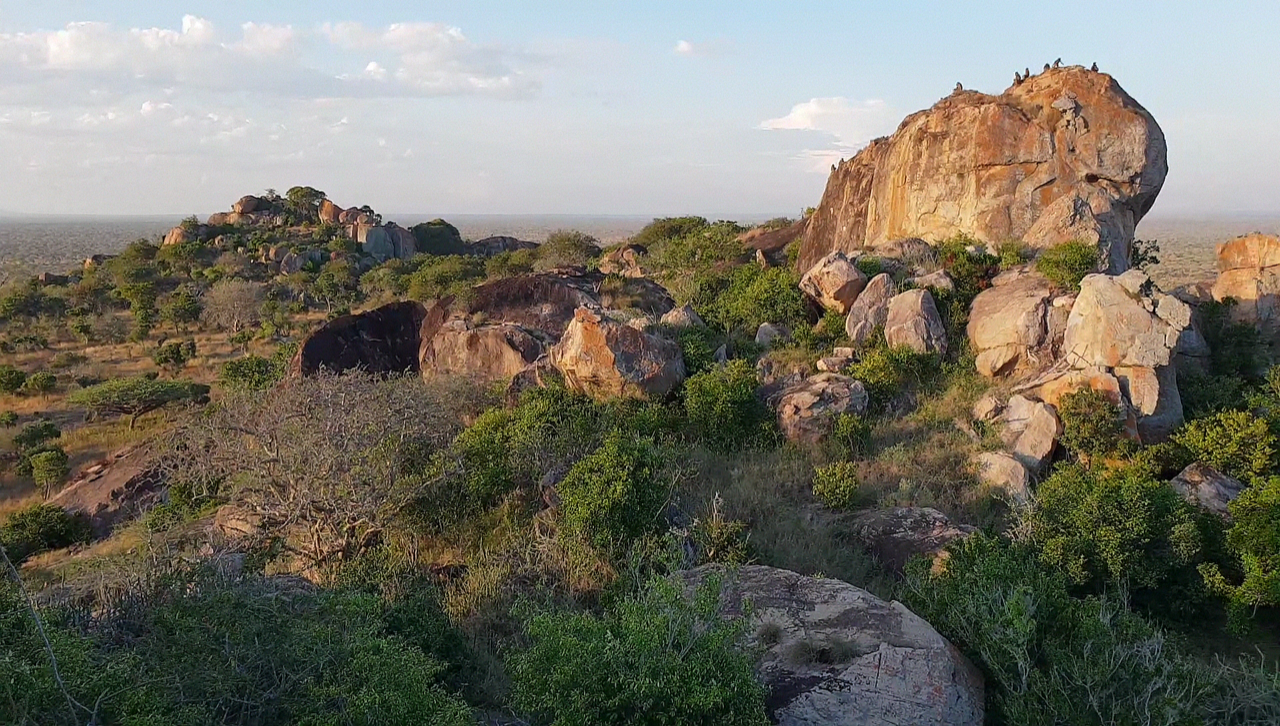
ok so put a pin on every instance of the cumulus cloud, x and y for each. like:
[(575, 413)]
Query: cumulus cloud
[(690, 49), (850, 125)]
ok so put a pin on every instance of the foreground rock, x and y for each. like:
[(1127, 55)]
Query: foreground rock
[(834, 282), (605, 358), (808, 410), (487, 352), (912, 321), (115, 490), (383, 340), (1066, 155), (1031, 431), (870, 310), (1004, 472), (898, 534), (1207, 488), (836, 655)]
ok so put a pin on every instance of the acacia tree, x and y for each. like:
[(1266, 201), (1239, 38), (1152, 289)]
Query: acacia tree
[(232, 305), (134, 397), (324, 464)]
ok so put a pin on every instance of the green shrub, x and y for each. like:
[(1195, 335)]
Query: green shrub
[(49, 468), (39, 528), (172, 357), (251, 372), (615, 494), (663, 230), (889, 372), (749, 296), (1206, 394), (35, 434), (653, 658), (1234, 443), (40, 383), (824, 335), (836, 485), (11, 379), (566, 248), (853, 433), (1235, 348), (869, 265), (134, 397), (442, 276), (1091, 423), (698, 345), (1254, 538), (1065, 265), (1121, 528), (723, 409), (438, 237), (509, 264), (1049, 658), (1012, 254), (970, 271), (8, 419)]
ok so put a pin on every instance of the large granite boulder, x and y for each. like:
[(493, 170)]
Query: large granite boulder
[(486, 352), (834, 282), (403, 243), (496, 245), (912, 320), (898, 534), (605, 358), (835, 655), (683, 317), (808, 410), (870, 310), (1004, 473), (1031, 431), (375, 242), (249, 204), (1008, 325), (180, 235), (547, 301), (1065, 155), (1249, 273), (330, 213), (383, 340), (1207, 488)]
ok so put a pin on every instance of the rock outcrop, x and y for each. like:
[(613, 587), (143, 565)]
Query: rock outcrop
[(605, 358), (115, 490), (1066, 155), (383, 340), (808, 410), (836, 655), (624, 260), (486, 352), (1207, 488), (912, 321), (1031, 431), (834, 282), (897, 534), (1009, 326), (1249, 273), (683, 317), (1004, 472)]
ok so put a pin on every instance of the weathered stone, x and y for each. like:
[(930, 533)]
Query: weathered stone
[(218, 219), (913, 321), (1207, 488), (1065, 155), (375, 242), (115, 490), (1110, 325), (937, 280), (486, 352), (988, 408), (839, 359), (179, 235), (50, 279), (768, 334), (1031, 432), (607, 359), (1249, 252), (624, 260), (832, 654), (898, 534), (870, 310), (834, 282), (247, 205), (1153, 395), (403, 244), (1002, 471), (1250, 275), (383, 340), (772, 240), (807, 410), (330, 213), (683, 317), (1007, 325)]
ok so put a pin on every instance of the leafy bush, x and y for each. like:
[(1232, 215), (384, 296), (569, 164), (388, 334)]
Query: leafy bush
[(1121, 528), (35, 434), (40, 383), (1254, 538), (836, 485), (251, 372), (669, 228), (1234, 443), (1065, 265), (970, 271), (49, 468), (653, 658), (723, 409), (8, 419), (41, 527), (1206, 394), (1091, 423), (172, 357), (11, 379), (749, 296), (134, 397), (1052, 659), (1235, 348), (565, 248), (853, 433), (698, 346), (888, 372), (442, 276), (615, 494)]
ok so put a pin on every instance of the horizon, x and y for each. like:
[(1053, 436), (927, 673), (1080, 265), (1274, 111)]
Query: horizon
[(494, 109)]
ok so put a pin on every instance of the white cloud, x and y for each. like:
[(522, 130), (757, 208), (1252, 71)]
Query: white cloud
[(851, 125), (684, 47), (267, 40), (707, 49)]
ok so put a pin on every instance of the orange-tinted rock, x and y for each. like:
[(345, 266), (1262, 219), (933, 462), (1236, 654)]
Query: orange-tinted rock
[(488, 352), (605, 359), (330, 213), (1065, 155)]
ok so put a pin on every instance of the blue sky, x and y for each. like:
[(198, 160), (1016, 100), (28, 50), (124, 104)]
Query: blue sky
[(716, 108)]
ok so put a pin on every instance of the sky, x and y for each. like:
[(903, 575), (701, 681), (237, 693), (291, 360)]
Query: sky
[(597, 108)]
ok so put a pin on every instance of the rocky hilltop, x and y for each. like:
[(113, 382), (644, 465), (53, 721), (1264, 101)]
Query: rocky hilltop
[(1063, 155)]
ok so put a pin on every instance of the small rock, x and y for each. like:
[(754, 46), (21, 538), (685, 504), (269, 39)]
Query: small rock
[(683, 317), (938, 280), (808, 410), (870, 310), (1207, 488), (834, 283), (1032, 430), (898, 534), (1002, 471), (768, 334), (988, 408)]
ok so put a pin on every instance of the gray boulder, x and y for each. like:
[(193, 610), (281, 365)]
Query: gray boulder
[(913, 321), (870, 310)]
